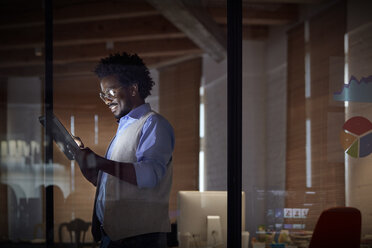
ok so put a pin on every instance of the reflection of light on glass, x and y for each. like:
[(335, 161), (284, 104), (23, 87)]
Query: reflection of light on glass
[(60, 144), (72, 124), (201, 135), (201, 118), (347, 194), (346, 65), (346, 44), (201, 113), (307, 76), (72, 164), (346, 104), (201, 91), (19, 151), (346, 72), (307, 31), (307, 61), (95, 129), (13, 151), (4, 149), (201, 171), (310, 192), (308, 153)]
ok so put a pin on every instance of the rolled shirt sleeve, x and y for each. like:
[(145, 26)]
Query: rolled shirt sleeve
[(154, 151)]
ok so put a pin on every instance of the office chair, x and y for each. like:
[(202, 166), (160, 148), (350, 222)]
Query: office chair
[(338, 227), (78, 226)]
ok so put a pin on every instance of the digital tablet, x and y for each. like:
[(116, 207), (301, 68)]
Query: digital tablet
[(62, 137)]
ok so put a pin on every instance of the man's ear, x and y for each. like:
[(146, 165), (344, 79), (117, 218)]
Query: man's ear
[(134, 89)]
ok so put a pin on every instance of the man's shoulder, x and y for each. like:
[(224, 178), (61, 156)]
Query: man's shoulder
[(158, 125), (157, 119)]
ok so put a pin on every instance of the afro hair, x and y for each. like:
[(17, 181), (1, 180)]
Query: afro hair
[(129, 69)]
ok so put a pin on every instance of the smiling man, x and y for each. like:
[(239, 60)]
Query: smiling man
[(134, 178)]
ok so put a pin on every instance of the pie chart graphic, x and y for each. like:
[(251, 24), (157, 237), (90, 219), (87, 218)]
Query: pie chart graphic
[(356, 137)]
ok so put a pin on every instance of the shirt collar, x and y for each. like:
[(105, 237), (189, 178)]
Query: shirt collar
[(138, 112)]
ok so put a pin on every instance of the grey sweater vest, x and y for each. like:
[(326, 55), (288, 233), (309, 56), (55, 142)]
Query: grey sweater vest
[(129, 210)]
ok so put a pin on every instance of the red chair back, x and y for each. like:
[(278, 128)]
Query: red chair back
[(338, 227)]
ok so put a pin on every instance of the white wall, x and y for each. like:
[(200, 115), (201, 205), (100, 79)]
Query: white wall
[(215, 142), (264, 125), (254, 132)]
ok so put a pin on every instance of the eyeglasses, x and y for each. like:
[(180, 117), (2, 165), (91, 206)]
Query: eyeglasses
[(110, 95)]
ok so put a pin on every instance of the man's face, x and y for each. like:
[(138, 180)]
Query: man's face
[(116, 96)]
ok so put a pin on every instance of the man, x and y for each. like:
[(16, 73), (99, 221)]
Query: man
[(133, 180)]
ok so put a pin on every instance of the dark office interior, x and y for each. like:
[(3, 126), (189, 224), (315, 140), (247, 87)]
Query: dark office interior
[(306, 114)]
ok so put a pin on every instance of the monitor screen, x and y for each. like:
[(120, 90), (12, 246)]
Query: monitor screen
[(194, 208)]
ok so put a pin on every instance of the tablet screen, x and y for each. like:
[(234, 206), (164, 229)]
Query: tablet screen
[(62, 137)]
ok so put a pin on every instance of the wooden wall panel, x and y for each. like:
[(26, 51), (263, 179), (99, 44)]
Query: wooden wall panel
[(179, 103), (296, 119), (326, 33), (78, 96)]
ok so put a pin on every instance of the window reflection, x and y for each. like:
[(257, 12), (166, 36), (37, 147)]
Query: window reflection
[(295, 57), (21, 167)]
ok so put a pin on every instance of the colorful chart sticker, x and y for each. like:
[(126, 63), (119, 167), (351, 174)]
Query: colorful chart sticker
[(347, 139), (355, 90), (365, 145), (356, 137), (357, 125), (353, 150)]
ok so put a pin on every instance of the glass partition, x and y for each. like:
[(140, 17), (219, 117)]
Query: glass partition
[(22, 171), (306, 116), (86, 32), (306, 127)]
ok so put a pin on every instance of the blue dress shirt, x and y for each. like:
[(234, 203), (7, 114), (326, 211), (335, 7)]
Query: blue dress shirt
[(153, 153)]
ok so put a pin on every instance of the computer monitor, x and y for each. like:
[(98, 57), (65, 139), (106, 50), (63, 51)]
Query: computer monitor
[(202, 218)]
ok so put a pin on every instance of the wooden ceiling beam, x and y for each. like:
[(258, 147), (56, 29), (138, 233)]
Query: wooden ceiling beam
[(73, 69), (140, 28), (255, 32), (252, 32), (285, 1), (174, 61), (195, 22), (40, 61), (92, 52), (260, 14), (73, 12)]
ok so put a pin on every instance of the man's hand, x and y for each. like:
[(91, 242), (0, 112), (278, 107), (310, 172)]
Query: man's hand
[(87, 161), (90, 164)]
